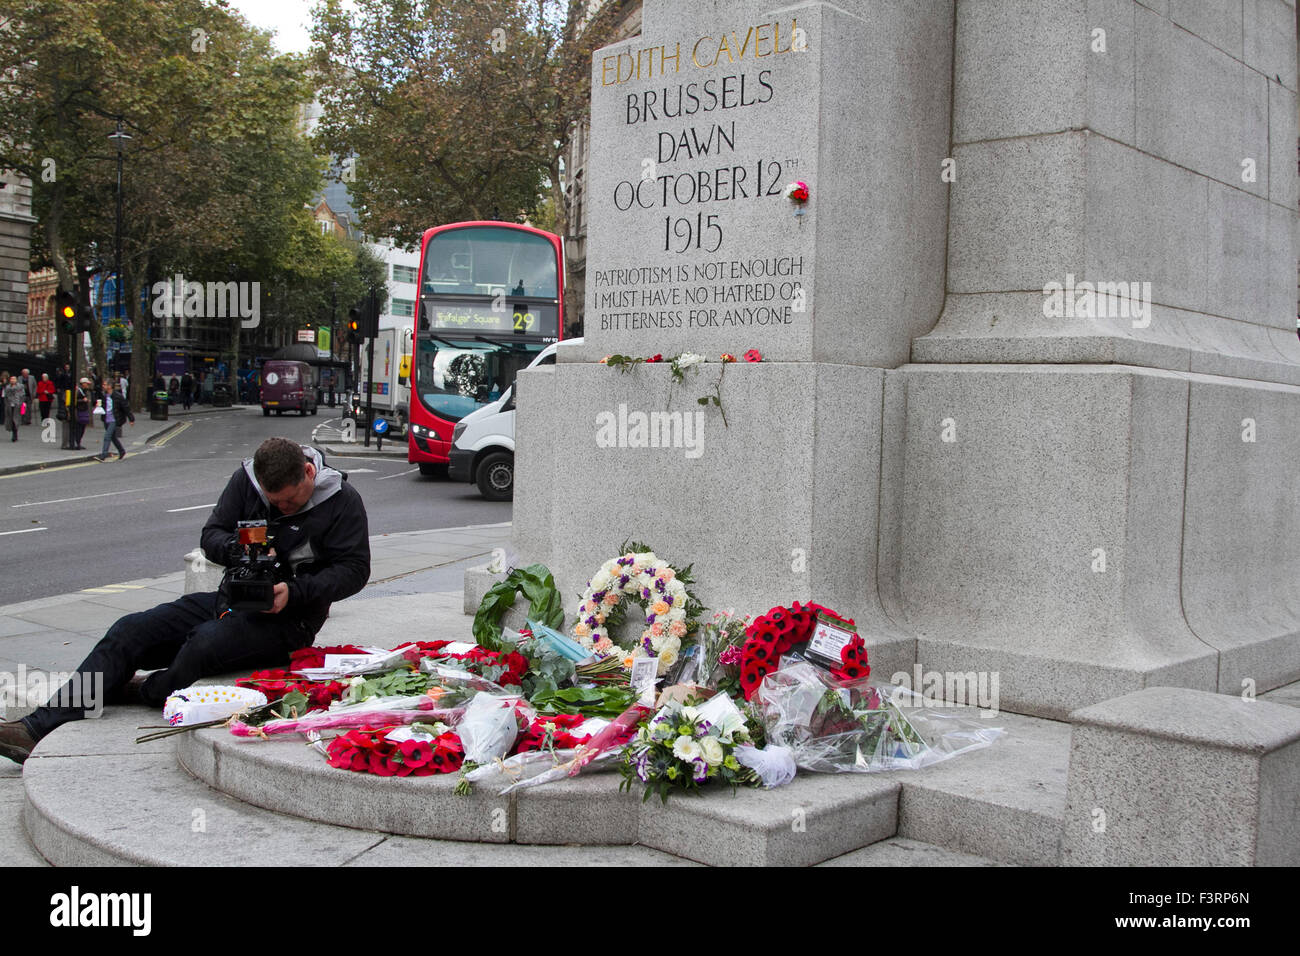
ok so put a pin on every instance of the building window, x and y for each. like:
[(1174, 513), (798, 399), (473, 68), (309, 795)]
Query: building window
[(403, 308)]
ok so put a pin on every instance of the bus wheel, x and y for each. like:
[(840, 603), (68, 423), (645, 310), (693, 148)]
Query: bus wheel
[(266, 413), (313, 409), (496, 476)]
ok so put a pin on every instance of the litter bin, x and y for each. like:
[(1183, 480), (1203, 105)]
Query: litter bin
[(159, 411), (221, 397)]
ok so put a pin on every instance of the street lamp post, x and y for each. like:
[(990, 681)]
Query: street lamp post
[(118, 138)]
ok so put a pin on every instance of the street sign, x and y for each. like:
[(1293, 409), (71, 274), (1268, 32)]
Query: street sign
[(306, 335), (380, 426)]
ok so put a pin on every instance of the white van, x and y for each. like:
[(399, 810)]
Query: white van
[(483, 442)]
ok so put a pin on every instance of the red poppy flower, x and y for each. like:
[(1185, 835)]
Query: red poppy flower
[(753, 355)]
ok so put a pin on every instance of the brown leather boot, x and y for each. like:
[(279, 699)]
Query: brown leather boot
[(16, 741)]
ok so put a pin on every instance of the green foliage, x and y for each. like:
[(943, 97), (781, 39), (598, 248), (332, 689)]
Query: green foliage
[(537, 584), (599, 701), (398, 683), (455, 110)]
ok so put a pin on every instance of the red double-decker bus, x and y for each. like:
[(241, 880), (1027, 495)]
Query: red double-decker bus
[(491, 298)]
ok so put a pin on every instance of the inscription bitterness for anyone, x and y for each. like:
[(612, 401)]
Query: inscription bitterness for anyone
[(697, 163)]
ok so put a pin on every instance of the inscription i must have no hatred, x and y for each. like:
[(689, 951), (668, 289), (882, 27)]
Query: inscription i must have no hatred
[(722, 289)]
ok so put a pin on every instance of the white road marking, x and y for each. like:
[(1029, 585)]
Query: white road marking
[(106, 494), (23, 531), (172, 511), (361, 471), (398, 475)]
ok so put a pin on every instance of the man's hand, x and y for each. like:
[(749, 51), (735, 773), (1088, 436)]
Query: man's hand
[(281, 599)]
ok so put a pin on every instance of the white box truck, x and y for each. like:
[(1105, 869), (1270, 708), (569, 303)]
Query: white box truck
[(391, 387)]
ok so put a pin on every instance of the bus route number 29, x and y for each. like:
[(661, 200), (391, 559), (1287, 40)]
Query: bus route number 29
[(524, 321)]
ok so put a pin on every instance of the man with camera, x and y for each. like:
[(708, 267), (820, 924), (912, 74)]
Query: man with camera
[(313, 549)]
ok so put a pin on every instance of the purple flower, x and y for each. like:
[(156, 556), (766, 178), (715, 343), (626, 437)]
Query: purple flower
[(649, 618), (659, 585), (701, 770), (623, 579), (668, 599), (645, 594), (591, 621)]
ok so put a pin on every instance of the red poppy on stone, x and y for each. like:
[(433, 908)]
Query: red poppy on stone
[(753, 355)]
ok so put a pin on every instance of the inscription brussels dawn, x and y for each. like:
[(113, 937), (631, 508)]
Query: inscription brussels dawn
[(703, 136)]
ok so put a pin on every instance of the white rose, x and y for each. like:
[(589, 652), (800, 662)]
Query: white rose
[(711, 749), (676, 614), (684, 748), (601, 581), (667, 658)]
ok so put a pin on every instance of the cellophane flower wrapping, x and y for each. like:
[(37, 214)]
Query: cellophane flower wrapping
[(857, 727), (489, 727)]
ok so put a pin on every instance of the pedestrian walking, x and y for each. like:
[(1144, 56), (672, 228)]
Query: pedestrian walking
[(45, 396), (15, 403), (187, 390), (81, 409), (28, 382), (116, 414)]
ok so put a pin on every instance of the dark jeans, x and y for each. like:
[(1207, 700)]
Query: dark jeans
[(112, 434), (183, 637)]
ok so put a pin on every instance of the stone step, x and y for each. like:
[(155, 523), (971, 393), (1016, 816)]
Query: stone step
[(139, 807), (814, 818), (93, 796)]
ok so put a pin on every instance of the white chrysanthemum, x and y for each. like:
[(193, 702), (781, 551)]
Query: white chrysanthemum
[(601, 581), (676, 613), (684, 748)]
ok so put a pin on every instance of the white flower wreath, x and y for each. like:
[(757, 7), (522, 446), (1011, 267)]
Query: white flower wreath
[(643, 578)]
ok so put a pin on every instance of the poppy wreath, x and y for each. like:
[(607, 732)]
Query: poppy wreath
[(555, 732), (277, 682), (640, 576), (506, 669), (773, 634), (368, 750), (853, 661)]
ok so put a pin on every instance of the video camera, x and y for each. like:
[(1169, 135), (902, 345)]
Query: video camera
[(252, 572)]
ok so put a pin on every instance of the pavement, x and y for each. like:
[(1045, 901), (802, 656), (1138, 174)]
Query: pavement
[(415, 592), (31, 453)]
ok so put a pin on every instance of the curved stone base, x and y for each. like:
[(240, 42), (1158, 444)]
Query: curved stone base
[(718, 827)]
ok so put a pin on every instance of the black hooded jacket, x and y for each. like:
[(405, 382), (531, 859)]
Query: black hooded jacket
[(327, 543)]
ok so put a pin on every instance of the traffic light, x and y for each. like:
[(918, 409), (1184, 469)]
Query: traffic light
[(363, 321), (65, 307), (72, 318)]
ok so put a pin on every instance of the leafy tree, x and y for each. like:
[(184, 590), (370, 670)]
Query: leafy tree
[(455, 110)]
